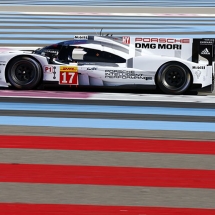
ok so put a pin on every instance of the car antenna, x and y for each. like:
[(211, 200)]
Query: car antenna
[(95, 31), (101, 32)]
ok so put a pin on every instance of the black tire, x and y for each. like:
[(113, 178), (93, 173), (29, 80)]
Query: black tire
[(173, 78), (24, 73)]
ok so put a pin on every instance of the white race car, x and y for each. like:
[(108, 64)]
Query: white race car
[(170, 64)]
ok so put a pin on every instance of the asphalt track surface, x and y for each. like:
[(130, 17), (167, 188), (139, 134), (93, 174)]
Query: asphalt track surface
[(105, 170), (174, 176)]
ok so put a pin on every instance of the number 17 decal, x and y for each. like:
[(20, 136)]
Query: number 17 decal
[(68, 76)]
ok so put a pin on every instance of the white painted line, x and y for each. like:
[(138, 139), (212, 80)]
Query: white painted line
[(121, 14), (157, 98), (126, 97)]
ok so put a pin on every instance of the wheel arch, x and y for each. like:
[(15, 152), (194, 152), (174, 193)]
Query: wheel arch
[(174, 62), (18, 56)]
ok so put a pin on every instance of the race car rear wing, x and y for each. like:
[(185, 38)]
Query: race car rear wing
[(204, 47)]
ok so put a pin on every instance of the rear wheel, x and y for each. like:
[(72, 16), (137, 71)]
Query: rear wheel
[(24, 73), (173, 78)]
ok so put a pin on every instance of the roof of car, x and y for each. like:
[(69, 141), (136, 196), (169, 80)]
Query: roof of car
[(83, 39)]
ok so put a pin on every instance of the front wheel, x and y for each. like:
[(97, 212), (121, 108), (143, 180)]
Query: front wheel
[(24, 73), (173, 78)]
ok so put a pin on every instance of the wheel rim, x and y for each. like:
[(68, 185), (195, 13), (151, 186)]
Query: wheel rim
[(174, 77), (23, 72)]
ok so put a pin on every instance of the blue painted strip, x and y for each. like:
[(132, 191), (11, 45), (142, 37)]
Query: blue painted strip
[(38, 30), (28, 42), (25, 34), (107, 123), (115, 3), (117, 27), (107, 109)]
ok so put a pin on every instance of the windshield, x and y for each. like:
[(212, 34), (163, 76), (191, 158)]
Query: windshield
[(55, 48)]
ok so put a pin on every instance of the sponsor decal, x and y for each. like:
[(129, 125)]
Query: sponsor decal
[(92, 68), (207, 41), (53, 51), (122, 74), (81, 37), (157, 46), (48, 69), (68, 75), (160, 43), (54, 72), (161, 40), (126, 40), (205, 52), (86, 63), (198, 67), (198, 74), (68, 69)]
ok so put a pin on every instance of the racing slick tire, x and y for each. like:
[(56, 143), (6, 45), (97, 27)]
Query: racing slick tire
[(173, 78), (24, 73)]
